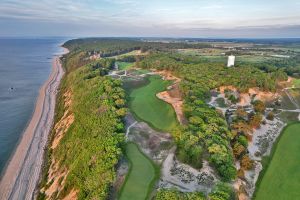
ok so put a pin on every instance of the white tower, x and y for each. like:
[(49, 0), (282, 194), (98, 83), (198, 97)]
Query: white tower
[(231, 60)]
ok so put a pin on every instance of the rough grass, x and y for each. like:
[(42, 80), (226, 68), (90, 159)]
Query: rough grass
[(295, 94), (281, 179), (124, 65), (147, 107), (296, 83), (288, 116), (141, 176)]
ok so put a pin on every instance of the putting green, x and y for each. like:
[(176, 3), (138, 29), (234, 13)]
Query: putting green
[(147, 107), (141, 175), (281, 180)]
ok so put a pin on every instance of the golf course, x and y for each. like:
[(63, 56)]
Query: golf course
[(281, 180), (147, 107), (139, 180)]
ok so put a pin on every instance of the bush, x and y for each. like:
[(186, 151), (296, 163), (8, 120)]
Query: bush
[(270, 116), (246, 163), (259, 106)]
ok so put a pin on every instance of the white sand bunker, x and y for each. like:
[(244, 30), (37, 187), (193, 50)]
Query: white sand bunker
[(186, 178), (261, 145)]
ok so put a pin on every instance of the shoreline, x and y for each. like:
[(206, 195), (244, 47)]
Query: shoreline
[(22, 173)]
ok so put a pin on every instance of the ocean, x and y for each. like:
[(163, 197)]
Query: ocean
[(25, 65)]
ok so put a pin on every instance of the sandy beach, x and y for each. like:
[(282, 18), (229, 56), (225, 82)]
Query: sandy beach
[(23, 171)]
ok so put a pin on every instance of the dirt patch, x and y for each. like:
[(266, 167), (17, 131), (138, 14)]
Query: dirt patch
[(252, 94), (228, 87), (154, 144), (263, 96), (167, 75), (72, 195), (56, 180), (286, 84)]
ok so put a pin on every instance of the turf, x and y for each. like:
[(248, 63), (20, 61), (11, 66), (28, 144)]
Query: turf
[(296, 83), (141, 175), (281, 180), (124, 65), (147, 107)]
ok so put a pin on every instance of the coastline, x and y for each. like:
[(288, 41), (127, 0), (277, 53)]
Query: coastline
[(22, 172)]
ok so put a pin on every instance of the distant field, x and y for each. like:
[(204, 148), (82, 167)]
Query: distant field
[(131, 53), (197, 52), (140, 177), (215, 55), (124, 65), (146, 106), (281, 180)]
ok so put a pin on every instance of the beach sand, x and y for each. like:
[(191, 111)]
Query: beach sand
[(23, 171)]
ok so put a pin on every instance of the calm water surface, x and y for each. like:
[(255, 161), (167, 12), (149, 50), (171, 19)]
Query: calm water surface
[(25, 65)]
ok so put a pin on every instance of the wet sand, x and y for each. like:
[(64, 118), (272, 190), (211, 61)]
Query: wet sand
[(23, 171)]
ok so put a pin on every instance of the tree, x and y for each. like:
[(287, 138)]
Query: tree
[(255, 120), (246, 163), (259, 106), (238, 150)]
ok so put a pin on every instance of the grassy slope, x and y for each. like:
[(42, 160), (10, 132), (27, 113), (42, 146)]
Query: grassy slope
[(281, 180), (149, 108), (140, 178)]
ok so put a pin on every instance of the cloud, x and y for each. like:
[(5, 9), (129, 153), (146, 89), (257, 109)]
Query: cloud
[(155, 17)]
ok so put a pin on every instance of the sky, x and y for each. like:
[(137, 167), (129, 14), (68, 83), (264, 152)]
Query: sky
[(151, 18)]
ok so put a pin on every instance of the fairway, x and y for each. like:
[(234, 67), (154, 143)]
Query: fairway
[(140, 177), (281, 180), (124, 65), (146, 106)]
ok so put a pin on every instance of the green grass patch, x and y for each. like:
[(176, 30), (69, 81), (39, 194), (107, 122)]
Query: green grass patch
[(296, 83), (147, 107), (221, 102), (124, 65), (140, 71), (142, 174), (280, 177)]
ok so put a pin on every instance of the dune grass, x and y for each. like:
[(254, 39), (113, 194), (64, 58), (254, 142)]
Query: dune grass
[(141, 176), (281, 178), (147, 107)]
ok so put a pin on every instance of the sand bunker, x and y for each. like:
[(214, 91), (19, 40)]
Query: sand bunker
[(172, 95), (175, 102)]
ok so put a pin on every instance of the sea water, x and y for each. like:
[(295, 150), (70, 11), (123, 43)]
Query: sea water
[(25, 64)]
